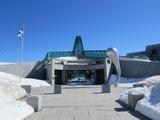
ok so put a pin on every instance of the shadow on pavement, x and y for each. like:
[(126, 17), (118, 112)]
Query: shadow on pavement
[(132, 112)]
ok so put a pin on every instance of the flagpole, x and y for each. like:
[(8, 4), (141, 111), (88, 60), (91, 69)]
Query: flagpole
[(21, 57)]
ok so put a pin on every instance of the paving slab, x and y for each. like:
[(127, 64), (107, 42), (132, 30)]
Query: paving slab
[(81, 103)]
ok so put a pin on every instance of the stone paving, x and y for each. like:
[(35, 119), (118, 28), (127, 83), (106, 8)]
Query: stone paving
[(86, 103)]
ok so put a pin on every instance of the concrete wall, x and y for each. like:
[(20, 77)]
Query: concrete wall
[(30, 69), (49, 72), (129, 67), (139, 68), (153, 52)]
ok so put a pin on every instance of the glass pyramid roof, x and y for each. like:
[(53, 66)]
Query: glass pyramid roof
[(78, 50)]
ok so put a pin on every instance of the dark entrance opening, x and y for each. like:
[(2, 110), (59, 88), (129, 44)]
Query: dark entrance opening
[(100, 77), (58, 77)]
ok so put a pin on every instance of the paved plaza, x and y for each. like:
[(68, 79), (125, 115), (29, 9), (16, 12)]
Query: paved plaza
[(82, 103)]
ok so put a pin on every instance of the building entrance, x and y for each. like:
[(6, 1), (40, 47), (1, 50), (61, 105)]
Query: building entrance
[(79, 77)]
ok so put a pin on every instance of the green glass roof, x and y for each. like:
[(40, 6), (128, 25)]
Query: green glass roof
[(78, 50)]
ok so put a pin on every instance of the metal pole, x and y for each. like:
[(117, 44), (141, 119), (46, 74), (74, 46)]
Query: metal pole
[(21, 59)]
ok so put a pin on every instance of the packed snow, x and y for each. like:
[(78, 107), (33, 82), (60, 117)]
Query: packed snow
[(135, 59), (11, 108), (14, 110), (124, 82), (150, 104), (128, 82), (12, 90), (10, 93), (143, 90), (9, 78)]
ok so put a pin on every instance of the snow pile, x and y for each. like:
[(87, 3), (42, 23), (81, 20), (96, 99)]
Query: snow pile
[(14, 110), (10, 108), (10, 91), (150, 105), (9, 78), (124, 82), (15, 91), (128, 82), (151, 80), (141, 90), (135, 59)]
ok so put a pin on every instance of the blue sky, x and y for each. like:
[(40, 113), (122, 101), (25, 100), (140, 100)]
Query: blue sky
[(128, 25)]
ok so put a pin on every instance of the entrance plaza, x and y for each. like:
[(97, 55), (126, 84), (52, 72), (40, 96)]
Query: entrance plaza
[(80, 88), (82, 103)]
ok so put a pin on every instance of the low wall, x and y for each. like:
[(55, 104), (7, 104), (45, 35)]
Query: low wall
[(30, 69), (139, 68)]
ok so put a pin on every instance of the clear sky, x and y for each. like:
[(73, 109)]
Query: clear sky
[(128, 25)]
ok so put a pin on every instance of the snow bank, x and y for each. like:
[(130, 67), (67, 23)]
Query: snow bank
[(143, 90), (135, 59), (128, 82), (149, 81), (10, 108), (150, 105), (15, 91), (14, 110), (124, 82), (9, 78), (10, 91)]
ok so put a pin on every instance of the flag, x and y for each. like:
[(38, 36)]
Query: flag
[(20, 34)]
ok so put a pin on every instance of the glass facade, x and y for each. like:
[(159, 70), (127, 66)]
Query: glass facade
[(78, 50), (79, 77)]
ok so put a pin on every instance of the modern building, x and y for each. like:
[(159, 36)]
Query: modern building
[(78, 66), (152, 52)]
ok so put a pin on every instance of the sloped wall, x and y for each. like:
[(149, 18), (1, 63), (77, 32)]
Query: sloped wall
[(30, 69), (139, 68)]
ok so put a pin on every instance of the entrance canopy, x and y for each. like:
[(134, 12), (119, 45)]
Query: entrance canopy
[(78, 51)]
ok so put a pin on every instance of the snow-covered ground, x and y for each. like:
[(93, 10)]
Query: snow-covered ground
[(6, 63), (124, 96), (124, 82), (9, 78), (128, 82), (10, 92), (11, 108), (150, 104)]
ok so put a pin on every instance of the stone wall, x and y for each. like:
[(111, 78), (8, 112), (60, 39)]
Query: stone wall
[(30, 69), (139, 68)]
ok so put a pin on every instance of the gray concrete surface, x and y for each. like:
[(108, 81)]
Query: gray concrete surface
[(35, 101), (133, 99), (139, 68), (77, 103), (27, 88), (57, 89), (139, 85), (29, 69), (105, 88)]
